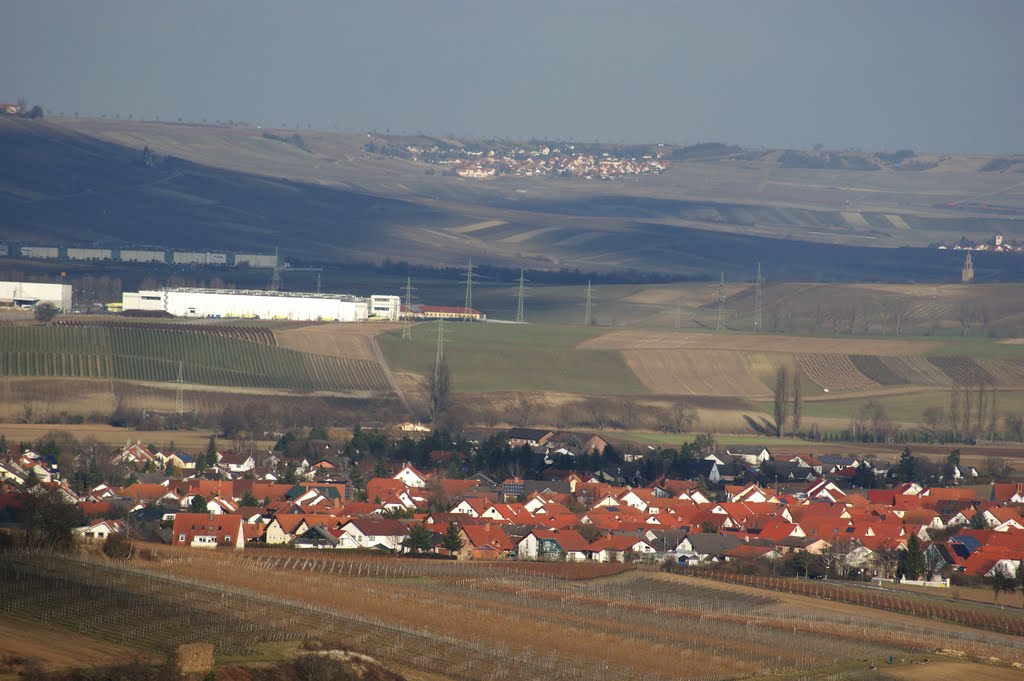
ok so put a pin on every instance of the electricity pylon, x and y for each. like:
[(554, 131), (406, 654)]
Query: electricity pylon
[(520, 315), (407, 317)]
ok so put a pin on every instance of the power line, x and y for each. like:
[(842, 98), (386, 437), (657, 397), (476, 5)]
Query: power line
[(720, 324)]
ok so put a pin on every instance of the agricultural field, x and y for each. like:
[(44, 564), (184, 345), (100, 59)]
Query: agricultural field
[(697, 372), (474, 621), (347, 341), (508, 357), (154, 355)]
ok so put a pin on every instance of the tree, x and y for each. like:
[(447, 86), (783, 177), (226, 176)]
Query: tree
[(419, 539), (197, 505), (978, 521), (798, 399), (781, 399), (210, 457), (438, 391), (49, 518), (906, 469), (681, 418), (874, 416), (452, 539), (952, 465), (1014, 424), (864, 477), (914, 561), (1000, 582), (45, 312), (248, 499)]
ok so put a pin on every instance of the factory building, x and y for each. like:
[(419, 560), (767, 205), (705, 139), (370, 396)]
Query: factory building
[(386, 307), (193, 258), (229, 303), (256, 260), (29, 294), (89, 254), (40, 252), (136, 255)]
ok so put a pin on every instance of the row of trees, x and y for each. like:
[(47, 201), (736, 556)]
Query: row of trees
[(788, 399)]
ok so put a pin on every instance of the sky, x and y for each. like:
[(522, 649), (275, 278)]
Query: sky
[(930, 75)]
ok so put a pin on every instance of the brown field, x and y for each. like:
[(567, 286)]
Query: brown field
[(702, 372), (649, 340), (108, 435), (835, 373), (936, 670), (57, 648), (336, 340)]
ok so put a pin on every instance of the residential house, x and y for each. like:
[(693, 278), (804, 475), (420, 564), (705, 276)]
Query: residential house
[(532, 437), (568, 545), (206, 530), (366, 533)]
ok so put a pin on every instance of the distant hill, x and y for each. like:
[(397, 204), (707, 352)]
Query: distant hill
[(321, 197)]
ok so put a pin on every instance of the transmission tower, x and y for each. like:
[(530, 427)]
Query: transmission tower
[(590, 303), (469, 289), (679, 314), (407, 317), (179, 396), (758, 298), (720, 324), (520, 316)]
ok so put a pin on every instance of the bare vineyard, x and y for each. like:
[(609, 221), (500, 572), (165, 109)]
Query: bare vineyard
[(462, 621), (877, 370), (963, 370), (255, 334), (836, 373), (134, 353)]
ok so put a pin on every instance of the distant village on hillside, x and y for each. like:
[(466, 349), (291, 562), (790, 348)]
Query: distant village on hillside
[(997, 244), (545, 160)]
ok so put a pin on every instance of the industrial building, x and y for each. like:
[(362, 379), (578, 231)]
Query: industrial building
[(30, 294), (230, 303)]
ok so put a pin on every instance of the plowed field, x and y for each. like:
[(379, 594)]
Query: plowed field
[(916, 370), (650, 340), (701, 372), (875, 369), (962, 370), (352, 341)]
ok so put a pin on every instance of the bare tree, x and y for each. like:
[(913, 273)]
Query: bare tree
[(993, 412), (954, 410), (798, 399), (781, 398), (967, 315), (629, 413), (438, 392), (681, 418), (1015, 424), (525, 410), (981, 410), (598, 411)]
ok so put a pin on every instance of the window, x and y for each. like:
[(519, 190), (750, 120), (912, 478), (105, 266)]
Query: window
[(181, 537), (227, 539)]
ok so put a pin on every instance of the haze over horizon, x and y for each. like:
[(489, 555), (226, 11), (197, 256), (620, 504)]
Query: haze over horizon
[(930, 75)]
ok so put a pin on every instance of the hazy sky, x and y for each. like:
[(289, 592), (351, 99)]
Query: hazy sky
[(934, 75)]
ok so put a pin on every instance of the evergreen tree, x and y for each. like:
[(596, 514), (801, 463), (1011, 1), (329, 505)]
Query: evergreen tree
[(249, 500), (3, 444), (197, 505), (211, 452), (452, 540), (978, 521), (906, 469), (914, 562), (419, 539)]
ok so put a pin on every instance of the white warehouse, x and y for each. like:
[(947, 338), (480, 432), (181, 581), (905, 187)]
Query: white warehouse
[(28, 294), (203, 302)]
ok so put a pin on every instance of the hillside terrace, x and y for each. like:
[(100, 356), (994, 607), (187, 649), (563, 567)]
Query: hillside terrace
[(575, 515)]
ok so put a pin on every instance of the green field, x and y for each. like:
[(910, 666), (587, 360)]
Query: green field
[(527, 357), (906, 408), (153, 355)]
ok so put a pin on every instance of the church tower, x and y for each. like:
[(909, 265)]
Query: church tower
[(967, 274)]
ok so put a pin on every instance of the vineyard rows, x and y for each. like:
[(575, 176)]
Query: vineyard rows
[(963, 370), (876, 370), (834, 372), (256, 334), (145, 354)]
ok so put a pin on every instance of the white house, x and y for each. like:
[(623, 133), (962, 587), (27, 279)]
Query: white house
[(362, 533), (411, 477)]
